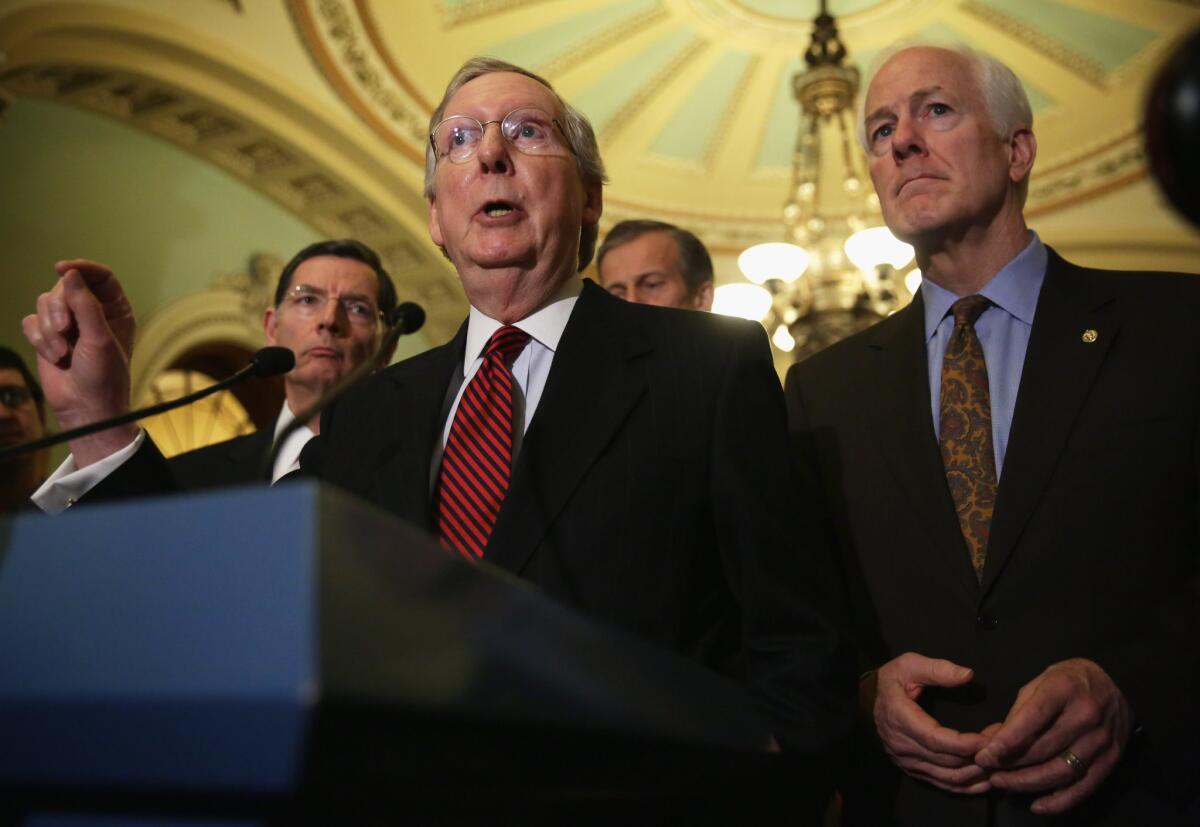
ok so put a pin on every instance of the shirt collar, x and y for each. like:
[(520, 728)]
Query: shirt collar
[(286, 415), (546, 324), (1015, 288)]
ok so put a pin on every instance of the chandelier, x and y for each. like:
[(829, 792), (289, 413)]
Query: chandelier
[(838, 269)]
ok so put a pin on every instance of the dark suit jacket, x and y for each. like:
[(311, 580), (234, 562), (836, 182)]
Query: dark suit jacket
[(1093, 548), (652, 491), (232, 462)]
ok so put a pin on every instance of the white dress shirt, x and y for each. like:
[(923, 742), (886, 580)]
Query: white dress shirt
[(287, 458), (68, 483), (531, 367)]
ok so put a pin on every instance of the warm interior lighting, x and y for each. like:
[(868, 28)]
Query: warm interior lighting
[(874, 246), (746, 301), (775, 260), (782, 339), (913, 282)]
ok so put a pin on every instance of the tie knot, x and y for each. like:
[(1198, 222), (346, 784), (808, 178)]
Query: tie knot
[(967, 309), (506, 343)]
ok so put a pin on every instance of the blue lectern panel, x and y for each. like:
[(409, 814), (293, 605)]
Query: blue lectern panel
[(154, 643)]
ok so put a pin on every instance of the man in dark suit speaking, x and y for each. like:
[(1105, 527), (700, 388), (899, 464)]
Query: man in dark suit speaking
[(625, 459), (1011, 463)]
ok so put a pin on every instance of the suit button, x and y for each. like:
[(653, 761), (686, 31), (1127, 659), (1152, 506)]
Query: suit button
[(987, 621)]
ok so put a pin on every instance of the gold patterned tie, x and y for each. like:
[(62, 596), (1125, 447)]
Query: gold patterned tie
[(965, 431)]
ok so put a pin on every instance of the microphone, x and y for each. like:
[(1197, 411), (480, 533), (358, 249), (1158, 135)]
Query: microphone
[(409, 316), (1173, 129), (268, 361), (405, 318)]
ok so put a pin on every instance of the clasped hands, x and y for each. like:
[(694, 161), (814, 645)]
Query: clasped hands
[(1072, 708)]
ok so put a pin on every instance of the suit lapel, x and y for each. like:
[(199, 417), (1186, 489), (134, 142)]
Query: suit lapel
[(588, 394), (904, 430), (414, 409), (1059, 370), (249, 454)]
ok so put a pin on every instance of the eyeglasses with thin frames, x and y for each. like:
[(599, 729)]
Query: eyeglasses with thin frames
[(528, 129), (311, 302)]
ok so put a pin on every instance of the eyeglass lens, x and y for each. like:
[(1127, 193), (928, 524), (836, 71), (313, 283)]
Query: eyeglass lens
[(530, 130), (308, 302)]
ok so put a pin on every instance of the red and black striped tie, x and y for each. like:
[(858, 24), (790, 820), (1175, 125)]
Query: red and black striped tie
[(478, 456)]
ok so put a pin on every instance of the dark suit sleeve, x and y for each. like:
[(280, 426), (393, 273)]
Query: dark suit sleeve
[(145, 474), (809, 456), (799, 664), (1157, 667)]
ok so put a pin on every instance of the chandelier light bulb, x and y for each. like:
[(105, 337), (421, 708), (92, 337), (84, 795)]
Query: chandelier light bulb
[(746, 301), (774, 260), (912, 281), (782, 339), (874, 246)]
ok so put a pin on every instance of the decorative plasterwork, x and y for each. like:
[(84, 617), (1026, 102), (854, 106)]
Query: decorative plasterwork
[(229, 312), (455, 12), (643, 98), (1052, 47), (381, 65), (343, 42), (262, 160), (1094, 171)]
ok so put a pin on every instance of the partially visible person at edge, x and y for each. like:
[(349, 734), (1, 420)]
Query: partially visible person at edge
[(22, 419)]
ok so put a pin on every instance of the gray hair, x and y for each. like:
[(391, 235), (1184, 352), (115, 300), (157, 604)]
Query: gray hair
[(1003, 94), (581, 138)]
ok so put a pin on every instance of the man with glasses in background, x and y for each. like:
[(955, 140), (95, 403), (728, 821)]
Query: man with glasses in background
[(22, 419), (536, 438), (329, 303)]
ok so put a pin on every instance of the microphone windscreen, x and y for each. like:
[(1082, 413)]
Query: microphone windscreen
[(408, 315), (1173, 128), (273, 360)]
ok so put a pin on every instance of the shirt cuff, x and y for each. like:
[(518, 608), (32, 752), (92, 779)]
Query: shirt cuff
[(68, 484)]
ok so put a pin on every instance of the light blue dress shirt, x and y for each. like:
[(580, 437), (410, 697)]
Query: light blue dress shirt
[(1003, 330)]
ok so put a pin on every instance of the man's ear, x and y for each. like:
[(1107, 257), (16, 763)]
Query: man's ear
[(1022, 153), (593, 203), (269, 323), (435, 226), (703, 298)]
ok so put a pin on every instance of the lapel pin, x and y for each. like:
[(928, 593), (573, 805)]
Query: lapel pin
[(1090, 336)]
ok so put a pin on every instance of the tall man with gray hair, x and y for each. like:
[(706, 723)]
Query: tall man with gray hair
[(1011, 463), (533, 439)]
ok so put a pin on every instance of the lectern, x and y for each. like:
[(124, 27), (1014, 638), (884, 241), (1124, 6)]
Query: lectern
[(292, 655)]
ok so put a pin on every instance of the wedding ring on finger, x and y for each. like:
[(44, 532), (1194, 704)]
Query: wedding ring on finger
[(1077, 767)]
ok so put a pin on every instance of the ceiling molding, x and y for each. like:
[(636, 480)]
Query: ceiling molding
[(295, 157)]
